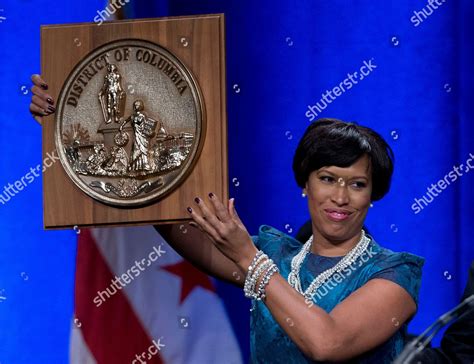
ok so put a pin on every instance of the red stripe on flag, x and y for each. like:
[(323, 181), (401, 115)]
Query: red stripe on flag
[(112, 331)]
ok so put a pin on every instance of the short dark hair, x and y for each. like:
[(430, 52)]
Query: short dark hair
[(333, 142)]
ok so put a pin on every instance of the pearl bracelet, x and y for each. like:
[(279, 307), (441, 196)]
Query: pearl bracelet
[(256, 270), (255, 276), (255, 262), (266, 279)]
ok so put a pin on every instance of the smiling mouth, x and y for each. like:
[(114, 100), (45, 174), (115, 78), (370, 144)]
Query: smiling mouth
[(337, 215)]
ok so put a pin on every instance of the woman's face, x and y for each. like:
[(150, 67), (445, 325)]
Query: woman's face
[(339, 199)]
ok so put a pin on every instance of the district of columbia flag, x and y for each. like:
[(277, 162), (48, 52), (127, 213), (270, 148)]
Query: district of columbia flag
[(138, 301)]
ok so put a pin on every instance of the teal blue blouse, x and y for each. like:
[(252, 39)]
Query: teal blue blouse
[(268, 341)]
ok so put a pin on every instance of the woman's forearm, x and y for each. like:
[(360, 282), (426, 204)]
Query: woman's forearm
[(198, 249)]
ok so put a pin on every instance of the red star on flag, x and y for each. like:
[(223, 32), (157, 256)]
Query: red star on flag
[(191, 278)]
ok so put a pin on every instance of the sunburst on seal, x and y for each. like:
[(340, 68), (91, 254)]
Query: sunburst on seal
[(76, 132)]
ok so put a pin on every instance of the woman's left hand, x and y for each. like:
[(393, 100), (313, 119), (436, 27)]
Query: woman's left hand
[(225, 229)]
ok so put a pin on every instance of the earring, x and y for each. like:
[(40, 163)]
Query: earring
[(303, 194)]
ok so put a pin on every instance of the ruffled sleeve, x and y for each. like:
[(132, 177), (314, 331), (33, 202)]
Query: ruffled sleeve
[(276, 244), (267, 236), (403, 269)]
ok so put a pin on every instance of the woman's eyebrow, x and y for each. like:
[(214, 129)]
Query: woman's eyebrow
[(361, 177), (324, 170)]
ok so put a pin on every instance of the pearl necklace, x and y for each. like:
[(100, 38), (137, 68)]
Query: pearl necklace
[(297, 261)]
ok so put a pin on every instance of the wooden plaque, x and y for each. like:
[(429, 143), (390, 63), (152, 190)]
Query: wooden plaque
[(198, 43)]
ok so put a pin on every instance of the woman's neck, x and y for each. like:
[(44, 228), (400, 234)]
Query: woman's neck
[(327, 248)]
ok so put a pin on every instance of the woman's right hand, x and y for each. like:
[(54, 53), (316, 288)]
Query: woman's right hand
[(42, 104)]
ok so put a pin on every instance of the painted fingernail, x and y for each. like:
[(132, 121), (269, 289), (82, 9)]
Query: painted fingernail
[(211, 195), (51, 108), (44, 86), (50, 100), (197, 199), (190, 210)]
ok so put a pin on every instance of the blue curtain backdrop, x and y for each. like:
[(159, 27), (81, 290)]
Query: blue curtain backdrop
[(282, 57), (36, 267)]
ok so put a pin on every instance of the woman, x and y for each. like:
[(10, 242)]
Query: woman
[(340, 296), (141, 144)]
